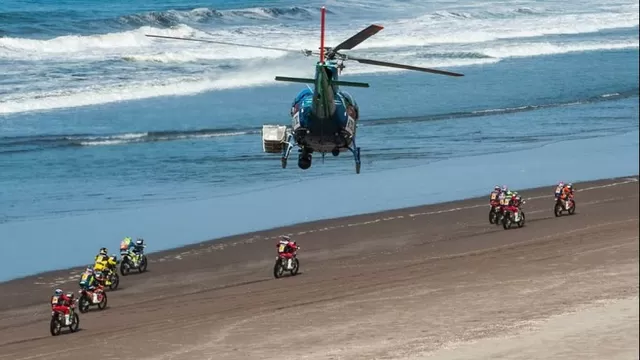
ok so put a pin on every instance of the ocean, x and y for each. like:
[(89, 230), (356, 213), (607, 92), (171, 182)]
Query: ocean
[(105, 133)]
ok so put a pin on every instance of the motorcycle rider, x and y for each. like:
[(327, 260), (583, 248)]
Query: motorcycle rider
[(287, 249), (100, 279), (559, 188), (110, 269), (505, 196), (64, 303), (89, 281), (567, 194), (514, 205), (133, 249), (104, 264), (125, 244), (494, 195), (100, 262), (112, 262)]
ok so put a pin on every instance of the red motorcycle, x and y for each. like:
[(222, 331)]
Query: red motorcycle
[(509, 217), (561, 206), (281, 265), (58, 321), (90, 298), (495, 212)]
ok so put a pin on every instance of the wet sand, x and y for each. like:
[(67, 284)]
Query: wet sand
[(436, 281)]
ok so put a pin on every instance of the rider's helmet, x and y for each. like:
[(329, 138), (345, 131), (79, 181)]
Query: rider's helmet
[(496, 188), (561, 183), (140, 242), (570, 186), (58, 292), (505, 188), (285, 238), (103, 251), (98, 275), (112, 257), (89, 269)]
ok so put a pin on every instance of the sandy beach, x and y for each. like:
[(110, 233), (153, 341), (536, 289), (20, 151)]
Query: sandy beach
[(435, 281)]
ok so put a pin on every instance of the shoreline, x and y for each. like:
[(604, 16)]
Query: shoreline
[(318, 225)]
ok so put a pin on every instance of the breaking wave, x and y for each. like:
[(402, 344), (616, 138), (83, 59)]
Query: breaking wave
[(82, 69), (170, 18)]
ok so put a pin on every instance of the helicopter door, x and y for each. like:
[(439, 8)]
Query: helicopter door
[(295, 121), (351, 117), (351, 125)]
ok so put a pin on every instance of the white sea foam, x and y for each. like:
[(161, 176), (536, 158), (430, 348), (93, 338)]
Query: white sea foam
[(546, 48), (118, 66), (145, 89)]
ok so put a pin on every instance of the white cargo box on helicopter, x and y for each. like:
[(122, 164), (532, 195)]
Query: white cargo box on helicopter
[(274, 138)]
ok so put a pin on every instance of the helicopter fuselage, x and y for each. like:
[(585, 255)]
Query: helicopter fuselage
[(324, 119)]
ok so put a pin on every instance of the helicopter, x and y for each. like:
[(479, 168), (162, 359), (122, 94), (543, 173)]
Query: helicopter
[(323, 119)]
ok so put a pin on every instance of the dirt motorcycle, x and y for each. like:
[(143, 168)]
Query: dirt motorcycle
[(91, 298), (57, 321), (508, 219), (128, 263), (561, 206), (281, 265), (495, 214), (113, 279)]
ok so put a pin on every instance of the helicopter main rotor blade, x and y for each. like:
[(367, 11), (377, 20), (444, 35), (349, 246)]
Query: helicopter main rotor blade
[(402, 66), (304, 51), (358, 38)]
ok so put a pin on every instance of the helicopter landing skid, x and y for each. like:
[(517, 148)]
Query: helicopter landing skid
[(356, 155), (287, 150), (290, 144)]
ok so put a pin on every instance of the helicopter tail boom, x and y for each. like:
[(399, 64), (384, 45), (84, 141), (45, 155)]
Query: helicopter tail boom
[(313, 81)]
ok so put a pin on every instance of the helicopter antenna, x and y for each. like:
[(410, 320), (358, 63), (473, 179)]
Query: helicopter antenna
[(322, 17)]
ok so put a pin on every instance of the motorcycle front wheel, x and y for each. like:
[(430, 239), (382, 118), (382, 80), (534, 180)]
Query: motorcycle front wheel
[(296, 267), (278, 269), (55, 326)]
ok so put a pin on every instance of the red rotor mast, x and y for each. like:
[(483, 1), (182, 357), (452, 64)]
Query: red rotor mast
[(322, 12)]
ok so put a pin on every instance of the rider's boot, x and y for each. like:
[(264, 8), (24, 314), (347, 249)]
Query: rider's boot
[(289, 267), (95, 297), (67, 320)]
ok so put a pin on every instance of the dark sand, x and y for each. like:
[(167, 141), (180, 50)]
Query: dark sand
[(436, 281)]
